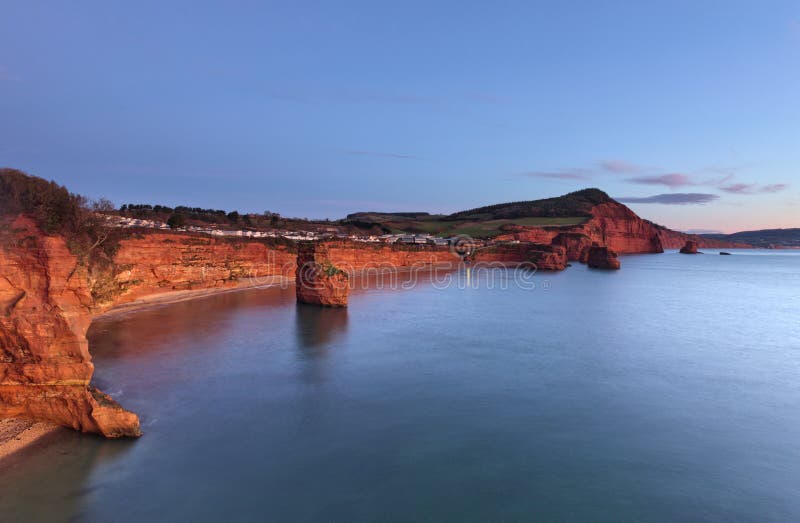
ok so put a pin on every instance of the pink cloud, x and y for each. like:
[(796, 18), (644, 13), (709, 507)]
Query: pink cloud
[(775, 187), (670, 180), (752, 188), (672, 199), (739, 188), (621, 167)]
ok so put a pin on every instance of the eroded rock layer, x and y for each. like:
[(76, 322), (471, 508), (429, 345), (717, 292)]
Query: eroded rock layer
[(540, 256), (45, 311), (610, 224)]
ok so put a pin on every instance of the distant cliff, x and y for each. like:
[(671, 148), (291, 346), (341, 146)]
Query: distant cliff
[(765, 238), (611, 224)]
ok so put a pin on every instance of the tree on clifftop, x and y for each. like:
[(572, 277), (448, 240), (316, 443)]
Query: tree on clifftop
[(176, 220), (57, 211)]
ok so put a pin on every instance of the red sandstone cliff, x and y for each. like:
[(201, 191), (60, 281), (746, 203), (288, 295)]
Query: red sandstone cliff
[(45, 311), (353, 257), (543, 257), (613, 225), (157, 263)]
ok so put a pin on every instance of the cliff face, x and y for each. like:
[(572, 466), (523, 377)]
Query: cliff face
[(353, 257), (45, 311), (544, 257), (613, 225), (160, 263)]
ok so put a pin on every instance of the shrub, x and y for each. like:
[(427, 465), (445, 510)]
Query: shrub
[(57, 211)]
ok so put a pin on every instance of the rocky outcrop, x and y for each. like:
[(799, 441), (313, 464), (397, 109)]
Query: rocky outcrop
[(690, 247), (609, 223), (602, 258), (543, 257), (318, 281), (614, 225), (45, 311), (619, 228), (576, 244)]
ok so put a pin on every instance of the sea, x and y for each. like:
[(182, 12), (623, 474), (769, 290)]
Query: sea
[(666, 391)]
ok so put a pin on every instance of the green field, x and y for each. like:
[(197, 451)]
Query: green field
[(477, 229)]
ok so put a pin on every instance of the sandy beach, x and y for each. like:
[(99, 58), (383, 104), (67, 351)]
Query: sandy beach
[(171, 296), (17, 433)]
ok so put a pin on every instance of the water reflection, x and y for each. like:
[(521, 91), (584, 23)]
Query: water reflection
[(317, 327), (193, 321)]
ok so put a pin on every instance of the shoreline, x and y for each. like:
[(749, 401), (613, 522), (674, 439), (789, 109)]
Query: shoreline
[(18, 434), (172, 296), (169, 297)]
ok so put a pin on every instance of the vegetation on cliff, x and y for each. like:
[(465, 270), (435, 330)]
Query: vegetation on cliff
[(491, 220), (578, 203), (57, 211)]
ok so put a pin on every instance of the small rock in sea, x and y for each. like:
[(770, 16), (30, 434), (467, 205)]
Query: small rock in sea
[(724, 254)]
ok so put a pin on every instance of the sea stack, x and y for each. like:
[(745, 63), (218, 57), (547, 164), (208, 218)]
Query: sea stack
[(602, 258), (689, 248), (318, 281)]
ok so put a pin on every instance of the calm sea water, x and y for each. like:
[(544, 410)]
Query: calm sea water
[(669, 390)]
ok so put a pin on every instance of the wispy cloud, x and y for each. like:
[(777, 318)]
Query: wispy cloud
[(383, 154), (775, 187), (566, 174), (672, 180), (752, 188), (620, 167), (672, 198), (8, 76), (721, 178), (702, 231)]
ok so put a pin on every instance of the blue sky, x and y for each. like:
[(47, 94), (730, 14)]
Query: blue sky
[(689, 109)]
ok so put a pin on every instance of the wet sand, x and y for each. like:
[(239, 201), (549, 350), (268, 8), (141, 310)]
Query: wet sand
[(172, 296), (18, 433)]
